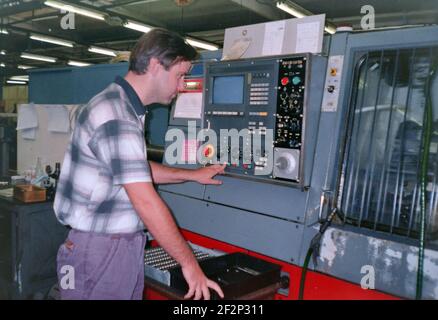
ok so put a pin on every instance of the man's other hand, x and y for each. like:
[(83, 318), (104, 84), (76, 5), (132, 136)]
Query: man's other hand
[(199, 284), (205, 175)]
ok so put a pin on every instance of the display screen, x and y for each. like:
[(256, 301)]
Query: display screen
[(228, 89)]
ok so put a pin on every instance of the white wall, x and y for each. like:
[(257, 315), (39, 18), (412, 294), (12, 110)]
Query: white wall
[(49, 146)]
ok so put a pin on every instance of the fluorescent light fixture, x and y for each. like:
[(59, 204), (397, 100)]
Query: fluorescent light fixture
[(2, 65), (37, 57), (299, 12), (3, 52), (60, 42), (23, 67), (67, 7), (102, 51), (4, 31), (291, 10), (45, 18), (19, 78), (15, 82), (78, 63), (137, 26), (330, 29), (202, 44)]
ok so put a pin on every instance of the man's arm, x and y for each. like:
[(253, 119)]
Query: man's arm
[(159, 221), (162, 174)]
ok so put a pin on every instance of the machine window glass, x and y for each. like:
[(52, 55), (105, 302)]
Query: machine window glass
[(380, 182)]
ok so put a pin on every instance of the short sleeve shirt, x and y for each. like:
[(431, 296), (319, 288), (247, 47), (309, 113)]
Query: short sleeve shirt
[(106, 151)]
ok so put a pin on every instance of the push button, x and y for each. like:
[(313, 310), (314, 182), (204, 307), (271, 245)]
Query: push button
[(209, 151)]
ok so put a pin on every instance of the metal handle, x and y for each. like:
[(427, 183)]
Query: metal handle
[(325, 199)]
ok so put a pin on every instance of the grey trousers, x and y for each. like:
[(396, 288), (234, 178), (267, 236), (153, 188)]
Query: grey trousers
[(93, 266)]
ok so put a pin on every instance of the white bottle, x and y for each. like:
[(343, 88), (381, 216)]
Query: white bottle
[(38, 169), (27, 176)]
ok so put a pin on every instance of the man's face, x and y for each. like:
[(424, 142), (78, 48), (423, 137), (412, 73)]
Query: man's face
[(171, 81)]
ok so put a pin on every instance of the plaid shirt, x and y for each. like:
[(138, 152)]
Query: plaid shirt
[(106, 151)]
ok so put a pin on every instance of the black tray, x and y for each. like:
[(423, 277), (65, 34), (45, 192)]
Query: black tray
[(237, 274)]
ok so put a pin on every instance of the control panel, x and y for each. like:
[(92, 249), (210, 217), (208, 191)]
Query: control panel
[(291, 86), (257, 109)]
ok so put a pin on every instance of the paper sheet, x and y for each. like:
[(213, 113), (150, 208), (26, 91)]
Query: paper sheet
[(188, 105), (58, 118), (237, 50), (273, 40), (29, 134), (27, 117), (8, 193), (307, 37)]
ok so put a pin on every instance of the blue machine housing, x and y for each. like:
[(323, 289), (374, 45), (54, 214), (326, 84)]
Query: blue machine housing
[(279, 220)]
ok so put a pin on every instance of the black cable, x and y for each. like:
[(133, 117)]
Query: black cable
[(303, 274), (313, 251), (425, 148)]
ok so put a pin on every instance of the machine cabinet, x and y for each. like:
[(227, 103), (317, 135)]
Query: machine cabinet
[(30, 236)]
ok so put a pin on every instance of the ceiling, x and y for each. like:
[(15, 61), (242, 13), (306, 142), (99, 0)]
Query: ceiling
[(199, 19)]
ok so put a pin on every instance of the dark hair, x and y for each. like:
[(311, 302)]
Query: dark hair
[(168, 47)]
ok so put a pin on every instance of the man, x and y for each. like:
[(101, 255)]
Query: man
[(106, 192)]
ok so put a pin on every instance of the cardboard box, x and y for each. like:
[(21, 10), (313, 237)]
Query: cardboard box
[(29, 193)]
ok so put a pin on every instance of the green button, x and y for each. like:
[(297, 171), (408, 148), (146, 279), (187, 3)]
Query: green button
[(296, 80)]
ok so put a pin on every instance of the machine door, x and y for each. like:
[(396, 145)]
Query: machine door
[(380, 178)]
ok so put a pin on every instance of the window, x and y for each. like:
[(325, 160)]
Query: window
[(380, 179)]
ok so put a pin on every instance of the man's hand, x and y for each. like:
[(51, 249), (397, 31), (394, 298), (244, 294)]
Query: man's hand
[(205, 175), (157, 218), (199, 283)]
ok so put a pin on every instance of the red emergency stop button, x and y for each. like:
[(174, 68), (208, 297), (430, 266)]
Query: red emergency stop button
[(284, 81), (209, 151)]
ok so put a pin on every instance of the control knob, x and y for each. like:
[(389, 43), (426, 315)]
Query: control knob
[(286, 162)]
